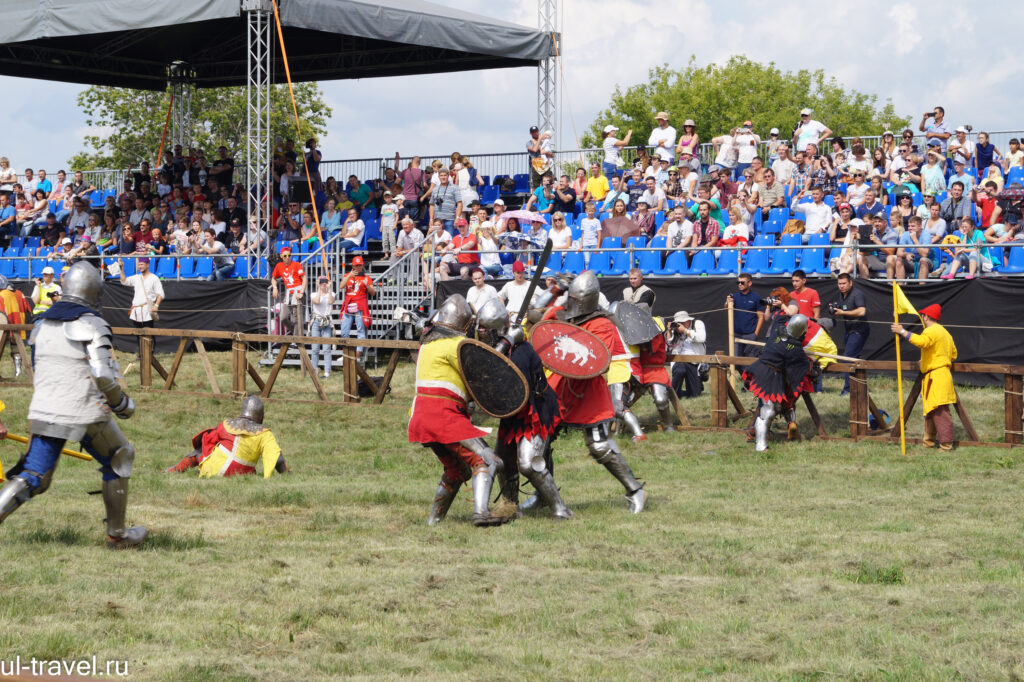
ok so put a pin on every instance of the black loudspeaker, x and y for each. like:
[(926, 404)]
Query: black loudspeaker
[(298, 190)]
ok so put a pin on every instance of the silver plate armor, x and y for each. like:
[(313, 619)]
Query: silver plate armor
[(252, 409), (797, 326), (583, 296), (82, 284), (492, 321)]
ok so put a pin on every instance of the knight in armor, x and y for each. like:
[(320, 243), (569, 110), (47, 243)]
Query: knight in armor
[(76, 392), (439, 416), (618, 375), (780, 375), (523, 438), (587, 403), (235, 446), (15, 308), (649, 373)]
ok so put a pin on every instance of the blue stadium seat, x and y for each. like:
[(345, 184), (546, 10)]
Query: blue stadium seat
[(187, 267), (1015, 261), (574, 261), (600, 262), (22, 268), (204, 266), (1016, 174), (241, 267), (618, 261), (636, 243), (96, 198), (675, 264), (779, 215), (263, 269), (131, 266), (554, 263), (812, 261), (649, 261), (489, 195), (757, 260), (728, 262), (165, 268), (18, 242), (702, 264), (784, 260), (522, 181), (771, 227), (7, 267), (34, 242)]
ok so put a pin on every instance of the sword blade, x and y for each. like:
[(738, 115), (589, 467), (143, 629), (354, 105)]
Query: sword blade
[(537, 274)]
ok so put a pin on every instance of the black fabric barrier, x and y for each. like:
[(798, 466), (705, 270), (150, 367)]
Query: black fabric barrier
[(972, 311), (229, 306)]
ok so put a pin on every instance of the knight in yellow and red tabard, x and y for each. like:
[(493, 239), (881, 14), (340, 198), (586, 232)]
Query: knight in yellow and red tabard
[(648, 368), (439, 416), (937, 392), (235, 446), (14, 306)]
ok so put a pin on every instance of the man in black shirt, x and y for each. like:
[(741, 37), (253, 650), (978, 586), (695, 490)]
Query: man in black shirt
[(232, 237), (852, 308), (234, 212), (141, 177), (223, 168), (637, 187), (80, 187), (565, 197)]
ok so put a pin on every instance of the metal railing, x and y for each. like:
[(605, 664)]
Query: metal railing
[(513, 163)]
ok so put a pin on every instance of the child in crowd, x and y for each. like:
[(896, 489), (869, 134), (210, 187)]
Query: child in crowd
[(591, 232), (1014, 157), (388, 224)]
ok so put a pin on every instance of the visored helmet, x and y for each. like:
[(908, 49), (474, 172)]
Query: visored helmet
[(82, 284), (492, 321), (455, 314), (583, 295), (797, 326)]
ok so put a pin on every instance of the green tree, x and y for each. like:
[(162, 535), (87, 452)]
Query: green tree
[(720, 97), (130, 122)]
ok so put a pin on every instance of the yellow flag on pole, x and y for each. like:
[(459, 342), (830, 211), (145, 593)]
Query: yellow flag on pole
[(901, 304)]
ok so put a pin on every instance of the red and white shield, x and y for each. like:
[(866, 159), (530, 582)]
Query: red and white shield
[(569, 350)]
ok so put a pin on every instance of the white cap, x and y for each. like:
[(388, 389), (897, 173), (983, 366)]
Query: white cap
[(47, 270), (961, 129), (805, 112), (773, 131), (610, 128), (856, 221), (66, 240), (499, 202), (486, 223)]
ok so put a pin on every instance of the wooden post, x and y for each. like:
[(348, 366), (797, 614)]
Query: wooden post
[(348, 370), (388, 373), (858, 403), (182, 345), (269, 386), (732, 341), (908, 406), (719, 395), (211, 377), (146, 361), (307, 365), (1013, 406), (238, 367), (684, 419)]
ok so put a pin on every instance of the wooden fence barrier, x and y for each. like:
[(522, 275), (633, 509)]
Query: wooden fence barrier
[(862, 405)]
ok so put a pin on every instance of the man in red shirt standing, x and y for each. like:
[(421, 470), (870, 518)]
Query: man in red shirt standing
[(355, 307), (463, 241), (805, 298), (294, 277), (987, 205)]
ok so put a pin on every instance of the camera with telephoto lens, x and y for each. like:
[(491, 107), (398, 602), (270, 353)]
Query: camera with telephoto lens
[(832, 308), (52, 294), (771, 300)]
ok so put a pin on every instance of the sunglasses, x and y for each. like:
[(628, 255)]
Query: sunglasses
[(741, 282)]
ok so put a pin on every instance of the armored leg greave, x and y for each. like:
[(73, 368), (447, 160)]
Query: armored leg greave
[(606, 451), (14, 494), (761, 425), (661, 400), (446, 491), (115, 499)]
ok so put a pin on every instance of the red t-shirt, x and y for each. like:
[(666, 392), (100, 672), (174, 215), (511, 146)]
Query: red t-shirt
[(467, 242), (355, 288), (806, 300), (143, 237), (292, 274), (987, 205)]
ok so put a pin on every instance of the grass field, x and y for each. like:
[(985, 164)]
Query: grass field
[(815, 560)]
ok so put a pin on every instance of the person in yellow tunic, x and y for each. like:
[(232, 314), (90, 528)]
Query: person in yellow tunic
[(937, 355), (235, 446)]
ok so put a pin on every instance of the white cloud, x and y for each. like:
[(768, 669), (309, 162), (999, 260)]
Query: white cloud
[(960, 56)]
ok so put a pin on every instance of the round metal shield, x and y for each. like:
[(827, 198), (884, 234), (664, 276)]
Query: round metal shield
[(635, 323), (495, 384), (569, 350)]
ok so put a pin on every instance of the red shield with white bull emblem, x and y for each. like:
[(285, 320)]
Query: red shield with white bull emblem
[(569, 350)]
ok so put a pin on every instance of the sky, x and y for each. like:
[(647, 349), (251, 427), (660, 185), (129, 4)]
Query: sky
[(961, 56)]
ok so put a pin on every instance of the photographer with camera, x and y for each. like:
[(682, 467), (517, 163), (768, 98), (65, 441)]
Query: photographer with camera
[(936, 130), (46, 292), (686, 336), (851, 307)]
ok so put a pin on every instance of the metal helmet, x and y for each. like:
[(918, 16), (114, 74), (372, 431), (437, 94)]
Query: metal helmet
[(82, 284), (583, 295), (455, 313), (492, 321), (797, 326), (252, 408)]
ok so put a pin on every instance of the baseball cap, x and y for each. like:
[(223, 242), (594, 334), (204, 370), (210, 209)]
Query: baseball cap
[(534, 129), (805, 112), (773, 131), (747, 124), (499, 202), (388, 193), (961, 129), (461, 222), (86, 238), (518, 266), (610, 128), (47, 270), (843, 205), (287, 250), (236, 222), (672, 169), (66, 240), (935, 142), (358, 260)]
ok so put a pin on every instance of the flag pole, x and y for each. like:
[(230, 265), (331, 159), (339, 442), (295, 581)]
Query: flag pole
[(899, 374)]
